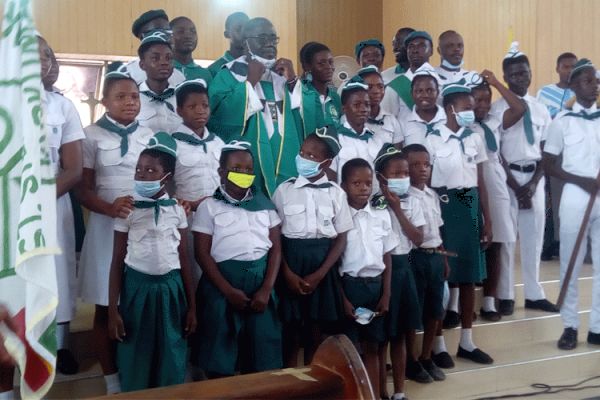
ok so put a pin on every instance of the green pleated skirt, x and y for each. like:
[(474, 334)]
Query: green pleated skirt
[(405, 311), (364, 292)]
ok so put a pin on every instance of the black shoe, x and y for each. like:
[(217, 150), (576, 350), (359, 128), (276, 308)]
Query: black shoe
[(416, 372), (542, 305), (490, 315), (476, 355), (451, 320), (568, 339), (443, 360), (66, 363), (506, 307), (433, 370), (593, 338)]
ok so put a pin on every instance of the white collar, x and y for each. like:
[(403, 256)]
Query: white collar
[(578, 108), (446, 133), (144, 87), (440, 115), (302, 181), (120, 125), (185, 129), (347, 125), (366, 209), (248, 195)]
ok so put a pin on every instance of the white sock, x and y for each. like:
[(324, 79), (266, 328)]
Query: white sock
[(439, 345), (62, 335), (466, 340), (453, 303), (488, 303), (113, 383), (8, 395), (398, 396)]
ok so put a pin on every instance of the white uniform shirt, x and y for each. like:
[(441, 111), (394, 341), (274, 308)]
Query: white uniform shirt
[(196, 173), (62, 124), (430, 204), (447, 77), (453, 167), (385, 126), (414, 213), (152, 247), (237, 234), (155, 114), (578, 140), (371, 238), (515, 147), (139, 75), (102, 153), (311, 213), (414, 128)]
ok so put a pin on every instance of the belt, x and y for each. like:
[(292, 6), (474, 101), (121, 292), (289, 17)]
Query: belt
[(436, 251), (523, 168), (377, 278)]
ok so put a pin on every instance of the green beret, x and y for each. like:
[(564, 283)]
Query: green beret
[(369, 69), (329, 135), (237, 145), (579, 67), (369, 42), (415, 35), (162, 141), (387, 150), (145, 18), (453, 88)]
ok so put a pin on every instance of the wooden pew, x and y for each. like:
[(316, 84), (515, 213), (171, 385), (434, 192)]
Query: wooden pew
[(337, 372)]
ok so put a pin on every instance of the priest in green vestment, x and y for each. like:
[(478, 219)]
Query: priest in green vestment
[(250, 100)]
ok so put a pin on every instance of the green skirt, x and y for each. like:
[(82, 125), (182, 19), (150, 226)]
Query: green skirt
[(364, 292), (223, 330), (461, 233), (429, 277), (305, 256), (405, 311), (154, 351)]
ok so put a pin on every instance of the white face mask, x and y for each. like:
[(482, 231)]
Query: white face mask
[(266, 62)]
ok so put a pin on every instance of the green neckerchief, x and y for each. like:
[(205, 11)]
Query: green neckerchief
[(379, 202), (324, 185), (342, 130), (429, 127), (312, 109), (584, 115), (193, 71), (490, 139), (399, 69), (528, 125), (258, 202), (161, 98), (193, 140), (156, 205), (402, 86), (376, 121), (107, 124), (465, 134)]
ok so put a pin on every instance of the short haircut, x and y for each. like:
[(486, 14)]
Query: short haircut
[(417, 78), (232, 17), (143, 49), (414, 148), (352, 165), (565, 56), (446, 33), (349, 92), (225, 156), (453, 97), (177, 20), (182, 94), (406, 30), (329, 153), (309, 50), (380, 166), (167, 161), (111, 81), (507, 62), (253, 23)]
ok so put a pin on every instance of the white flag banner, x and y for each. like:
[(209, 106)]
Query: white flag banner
[(27, 205)]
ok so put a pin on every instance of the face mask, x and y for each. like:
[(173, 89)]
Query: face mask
[(398, 186), (240, 180), (267, 63), (464, 118), (449, 65), (307, 168), (148, 188)]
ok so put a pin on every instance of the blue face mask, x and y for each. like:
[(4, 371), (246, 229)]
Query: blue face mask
[(307, 168), (148, 188), (398, 186), (464, 118)]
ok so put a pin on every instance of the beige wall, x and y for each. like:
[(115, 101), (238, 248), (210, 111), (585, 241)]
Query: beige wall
[(545, 28)]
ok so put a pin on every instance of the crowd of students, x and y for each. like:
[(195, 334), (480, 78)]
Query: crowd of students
[(242, 212)]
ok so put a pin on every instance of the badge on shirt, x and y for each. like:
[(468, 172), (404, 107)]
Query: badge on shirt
[(333, 112), (272, 107)]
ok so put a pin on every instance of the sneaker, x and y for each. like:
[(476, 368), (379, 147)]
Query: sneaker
[(443, 360), (416, 372), (66, 363), (433, 370), (398, 396), (568, 339), (593, 338), (490, 315), (477, 355), (506, 307), (541, 305), (451, 320)]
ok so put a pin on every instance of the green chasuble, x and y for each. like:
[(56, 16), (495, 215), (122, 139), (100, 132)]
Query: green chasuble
[(193, 71), (315, 114), (402, 86), (216, 66), (274, 157)]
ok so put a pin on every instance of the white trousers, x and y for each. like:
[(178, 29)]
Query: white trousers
[(572, 207), (529, 229)]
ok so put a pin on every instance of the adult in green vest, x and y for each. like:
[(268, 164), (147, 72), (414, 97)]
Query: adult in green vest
[(233, 32), (185, 40), (249, 99)]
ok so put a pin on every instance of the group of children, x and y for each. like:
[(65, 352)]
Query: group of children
[(239, 213)]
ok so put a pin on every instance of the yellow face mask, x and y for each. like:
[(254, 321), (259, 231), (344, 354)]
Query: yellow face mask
[(240, 180)]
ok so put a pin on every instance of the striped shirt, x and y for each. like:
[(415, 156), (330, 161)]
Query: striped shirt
[(554, 98)]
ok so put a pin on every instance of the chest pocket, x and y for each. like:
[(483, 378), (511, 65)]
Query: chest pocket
[(191, 157), (295, 217), (325, 220), (470, 154), (442, 154), (138, 246), (572, 138), (224, 224), (54, 124), (109, 153)]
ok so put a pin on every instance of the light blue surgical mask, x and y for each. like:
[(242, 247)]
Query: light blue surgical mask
[(307, 168), (148, 188), (464, 118), (399, 186), (449, 65)]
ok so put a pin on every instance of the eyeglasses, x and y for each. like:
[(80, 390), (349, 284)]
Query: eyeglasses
[(265, 39)]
